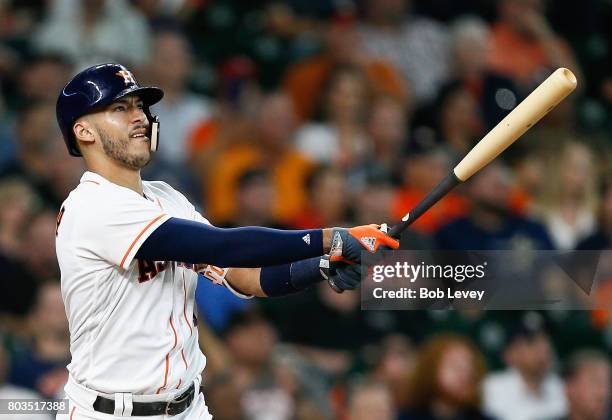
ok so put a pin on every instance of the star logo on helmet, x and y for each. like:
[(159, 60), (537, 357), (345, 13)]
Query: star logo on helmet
[(128, 78)]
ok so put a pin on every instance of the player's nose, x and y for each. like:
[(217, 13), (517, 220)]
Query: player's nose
[(138, 116)]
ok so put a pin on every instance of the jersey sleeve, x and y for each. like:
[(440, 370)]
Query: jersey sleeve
[(116, 230)]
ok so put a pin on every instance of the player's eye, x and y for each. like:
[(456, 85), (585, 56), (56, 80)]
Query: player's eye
[(119, 108), (140, 105)]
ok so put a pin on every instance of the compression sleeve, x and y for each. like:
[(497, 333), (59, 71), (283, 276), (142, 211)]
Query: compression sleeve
[(193, 242)]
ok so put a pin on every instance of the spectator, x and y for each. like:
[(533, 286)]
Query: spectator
[(425, 167), (18, 202), (305, 81), (94, 31), (43, 76), (10, 392), (17, 286), (340, 138), (527, 389), (394, 365), (459, 125), (170, 67), (568, 204), (62, 174), (530, 180), (369, 401), (495, 94), (42, 367), (587, 385), (33, 141), (524, 45), (325, 347), (269, 145), (42, 261), (373, 202), (602, 239), (223, 395), (489, 224), (417, 46), (446, 381), (250, 341), (328, 200), (255, 199), (387, 131)]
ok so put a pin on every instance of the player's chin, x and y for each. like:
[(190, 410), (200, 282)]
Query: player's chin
[(139, 158)]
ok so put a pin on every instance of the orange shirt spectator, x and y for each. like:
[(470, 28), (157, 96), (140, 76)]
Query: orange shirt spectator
[(305, 81), (290, 172), (517, 56), (524, 45)]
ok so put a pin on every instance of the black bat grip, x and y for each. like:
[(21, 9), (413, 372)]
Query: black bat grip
[(448, 183)]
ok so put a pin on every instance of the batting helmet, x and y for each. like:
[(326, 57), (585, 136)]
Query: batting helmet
[(97, 87)]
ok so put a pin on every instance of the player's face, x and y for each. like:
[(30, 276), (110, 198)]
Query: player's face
[(123, 130)]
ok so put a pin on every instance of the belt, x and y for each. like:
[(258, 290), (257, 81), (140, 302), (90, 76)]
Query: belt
[(169, 408)]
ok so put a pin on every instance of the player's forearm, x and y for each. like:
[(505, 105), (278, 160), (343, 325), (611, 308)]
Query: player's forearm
[(193, 242), (277, 280), (245, 281)]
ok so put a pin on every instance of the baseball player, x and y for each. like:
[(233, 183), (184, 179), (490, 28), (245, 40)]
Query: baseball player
[(131, 253)]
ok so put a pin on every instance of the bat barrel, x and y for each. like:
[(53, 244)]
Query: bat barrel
[(539, 103)]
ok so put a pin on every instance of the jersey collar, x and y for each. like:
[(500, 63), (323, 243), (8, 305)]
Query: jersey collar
[(89, 176)]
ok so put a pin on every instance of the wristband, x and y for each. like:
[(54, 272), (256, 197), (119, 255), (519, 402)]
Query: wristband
[(286, 279)]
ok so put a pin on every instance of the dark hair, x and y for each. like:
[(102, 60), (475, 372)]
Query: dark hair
[(579, 359), (244, 318), (251, 175), (36, 57), (321, 111)]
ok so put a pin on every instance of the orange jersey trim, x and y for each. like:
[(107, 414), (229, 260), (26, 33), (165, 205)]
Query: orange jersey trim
[(72, 412), (165, 374), (138, 237), (173, 331), (184, 360), (89, 180)]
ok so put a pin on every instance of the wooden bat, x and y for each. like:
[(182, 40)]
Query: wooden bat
[(539, 103)]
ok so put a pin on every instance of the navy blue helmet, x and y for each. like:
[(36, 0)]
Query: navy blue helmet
[(96, 87)]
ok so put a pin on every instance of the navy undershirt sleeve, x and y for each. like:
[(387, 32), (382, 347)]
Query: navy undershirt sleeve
[(194, 242)]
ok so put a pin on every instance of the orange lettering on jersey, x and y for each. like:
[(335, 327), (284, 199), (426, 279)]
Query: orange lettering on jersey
[(59, 219)]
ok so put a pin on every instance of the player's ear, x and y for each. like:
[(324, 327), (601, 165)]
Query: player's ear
[(84, 131)]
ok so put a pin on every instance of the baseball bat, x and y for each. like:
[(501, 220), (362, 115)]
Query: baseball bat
[(539, 103)]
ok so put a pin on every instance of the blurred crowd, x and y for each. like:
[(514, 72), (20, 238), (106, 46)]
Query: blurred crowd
[(311, 113)]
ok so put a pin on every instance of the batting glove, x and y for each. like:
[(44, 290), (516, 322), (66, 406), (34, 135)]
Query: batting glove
[(347, 244), (347, 277)]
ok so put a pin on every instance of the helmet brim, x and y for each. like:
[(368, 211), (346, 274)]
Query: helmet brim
[(150, 95)]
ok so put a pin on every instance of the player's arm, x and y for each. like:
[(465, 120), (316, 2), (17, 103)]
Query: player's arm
[(284, 279), (194, 242)]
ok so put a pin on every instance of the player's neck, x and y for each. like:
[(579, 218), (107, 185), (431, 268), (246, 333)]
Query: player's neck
[(119, 175)]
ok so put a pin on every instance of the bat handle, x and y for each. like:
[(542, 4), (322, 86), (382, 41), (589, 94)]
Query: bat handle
[(448, 183)]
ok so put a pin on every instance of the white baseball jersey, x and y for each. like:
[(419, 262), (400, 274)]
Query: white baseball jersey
[(131, 321)]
